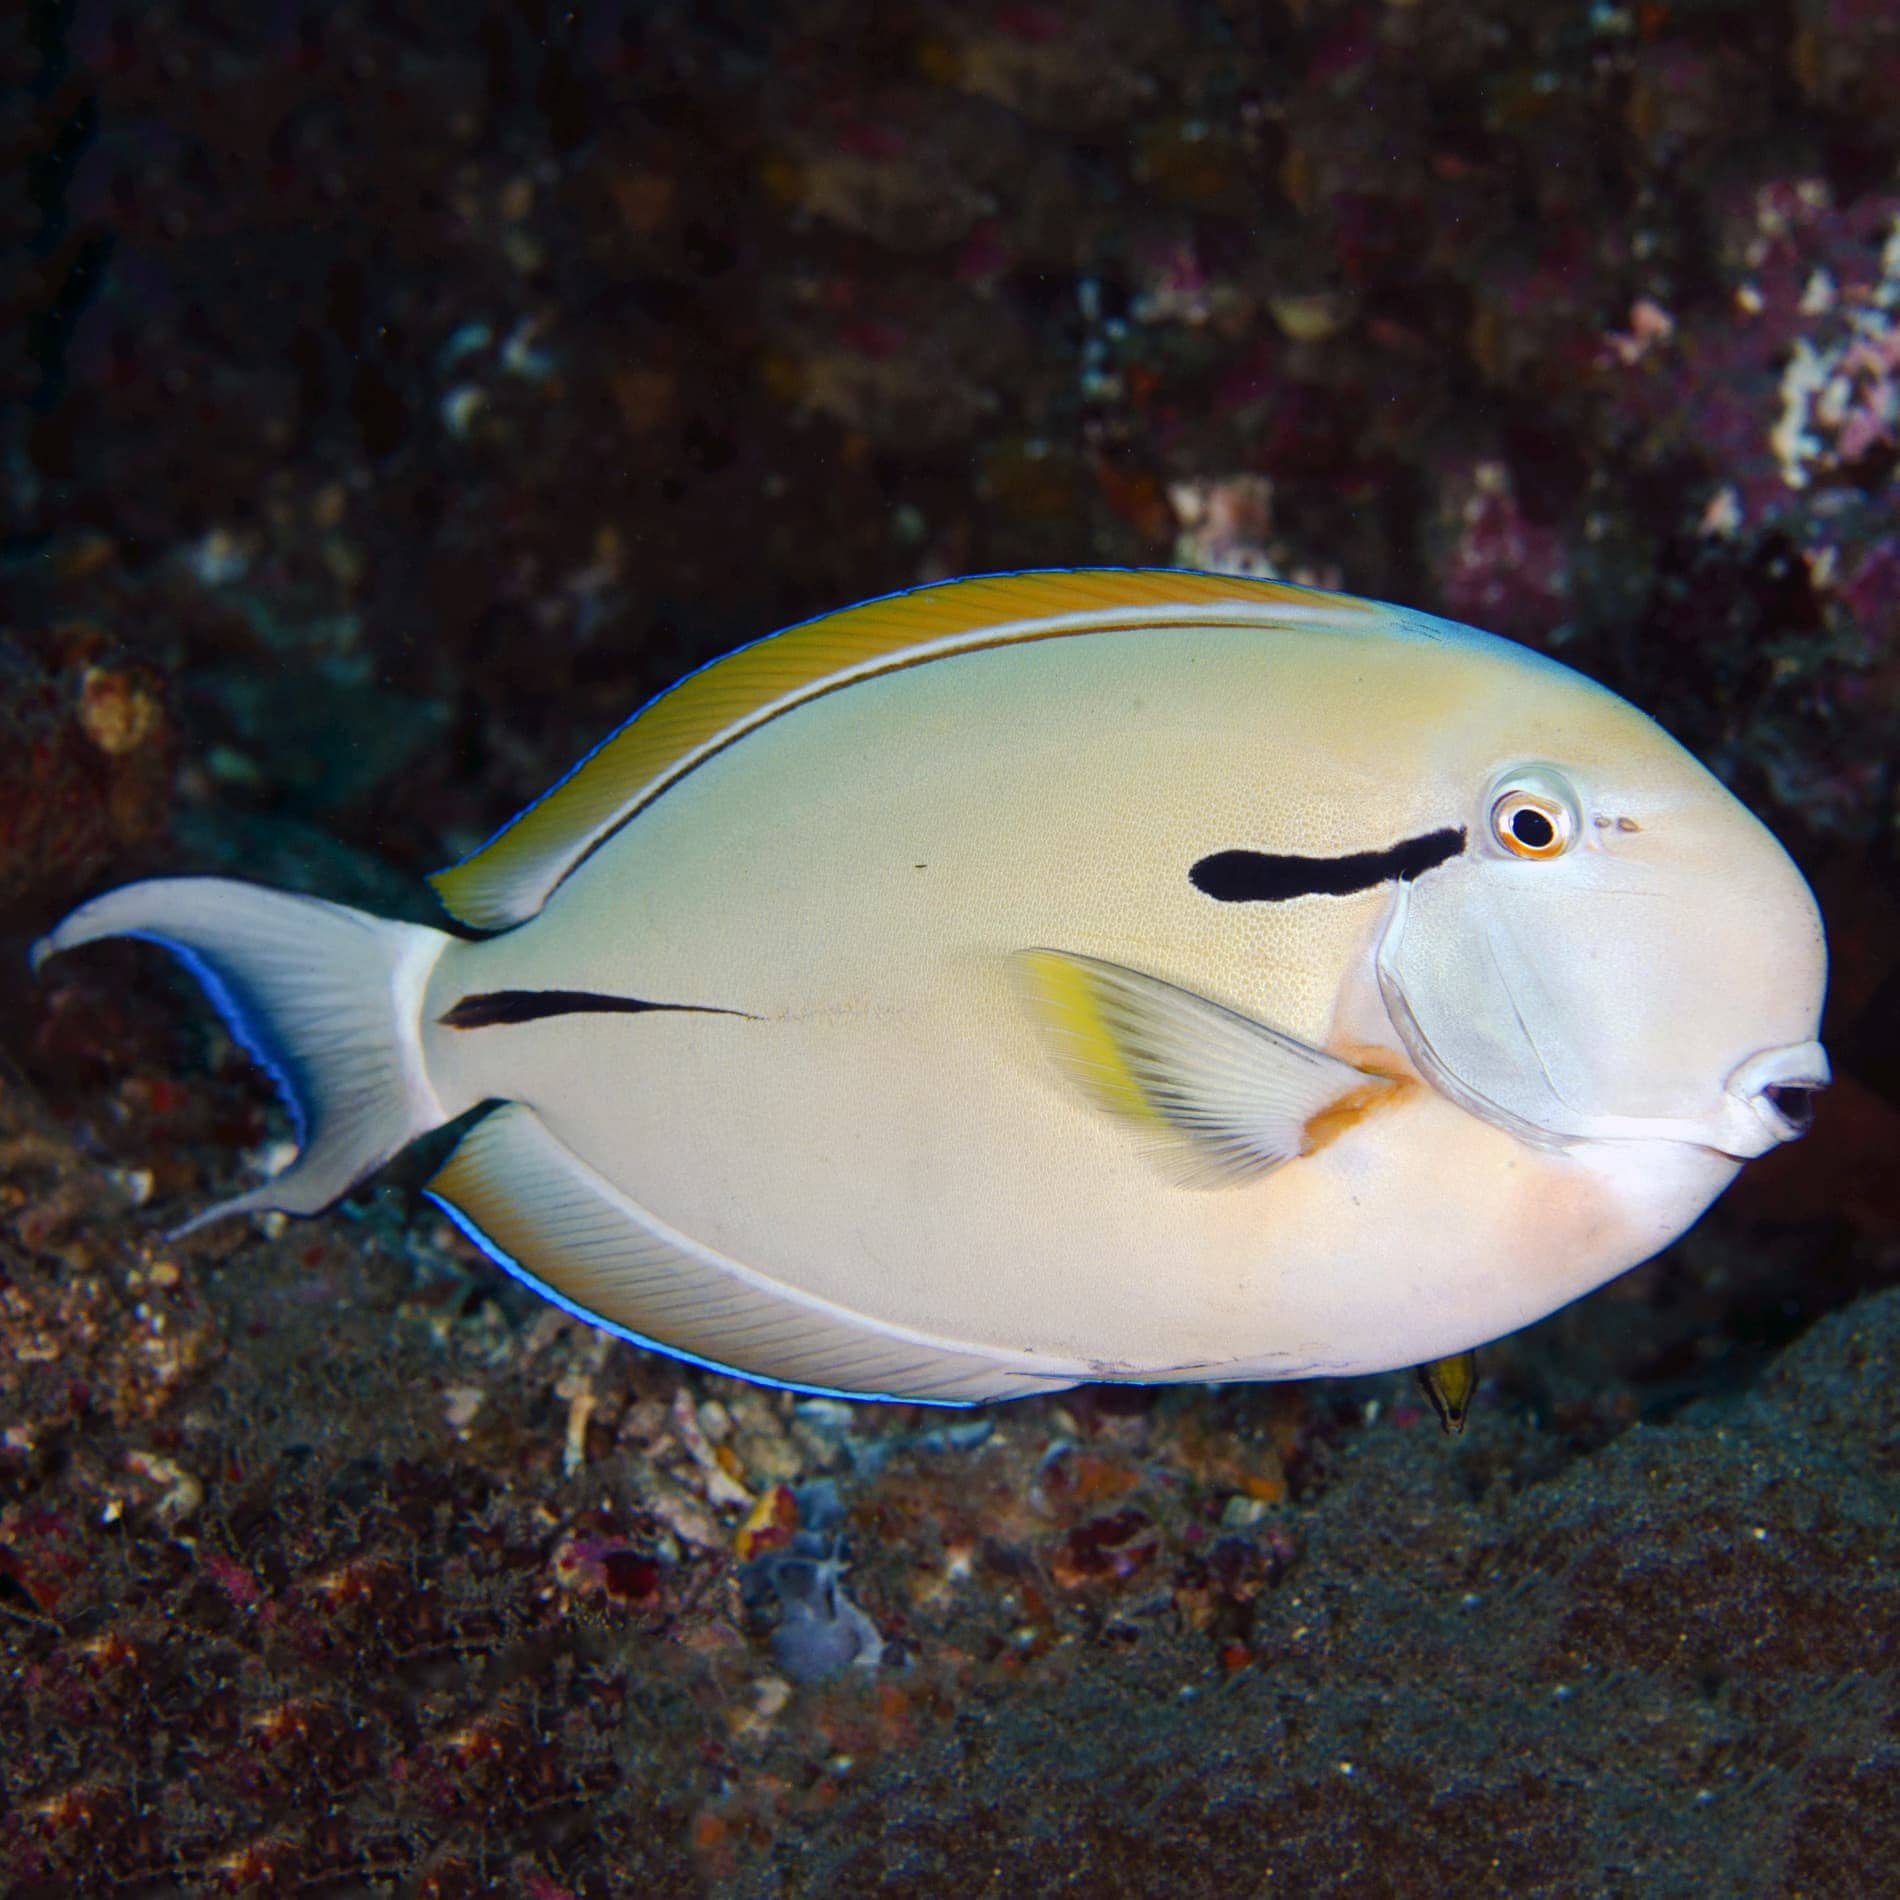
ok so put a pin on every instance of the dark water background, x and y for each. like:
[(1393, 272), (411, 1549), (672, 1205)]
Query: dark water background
[(398, 394)]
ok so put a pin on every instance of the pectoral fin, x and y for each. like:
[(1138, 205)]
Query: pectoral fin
[(1229, 1097)]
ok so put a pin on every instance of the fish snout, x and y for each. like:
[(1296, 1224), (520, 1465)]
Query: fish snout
[(1770, 1098)]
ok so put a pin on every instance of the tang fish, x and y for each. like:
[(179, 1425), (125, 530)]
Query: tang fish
[(1110, 974)]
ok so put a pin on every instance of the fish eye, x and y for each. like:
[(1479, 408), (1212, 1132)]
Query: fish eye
[(1530, 823)]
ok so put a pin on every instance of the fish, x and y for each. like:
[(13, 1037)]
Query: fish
[(1036, 978)]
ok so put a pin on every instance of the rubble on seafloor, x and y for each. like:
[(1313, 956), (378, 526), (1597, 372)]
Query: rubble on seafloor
[(321, 1550), (400, 402), (282, 1584)]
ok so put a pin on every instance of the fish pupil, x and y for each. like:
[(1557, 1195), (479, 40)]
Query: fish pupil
[(1532, 829)]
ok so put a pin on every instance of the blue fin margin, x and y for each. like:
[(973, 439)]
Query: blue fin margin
[(513, 1267), (245, 1025)]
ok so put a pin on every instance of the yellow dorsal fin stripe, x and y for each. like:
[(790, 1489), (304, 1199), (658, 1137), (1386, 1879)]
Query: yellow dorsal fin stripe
[(511, 876)]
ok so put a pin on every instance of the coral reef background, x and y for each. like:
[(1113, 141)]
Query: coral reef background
[(395, 395)]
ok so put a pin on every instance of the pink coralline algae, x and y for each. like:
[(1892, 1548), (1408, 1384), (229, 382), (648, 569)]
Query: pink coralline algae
[(1502, 569), (1786, 392)]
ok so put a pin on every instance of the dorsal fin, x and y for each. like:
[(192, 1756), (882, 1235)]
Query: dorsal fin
[(512, 875)]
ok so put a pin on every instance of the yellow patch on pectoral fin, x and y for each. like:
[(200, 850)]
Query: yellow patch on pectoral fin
[(1071, 1001), (1230, 1097)]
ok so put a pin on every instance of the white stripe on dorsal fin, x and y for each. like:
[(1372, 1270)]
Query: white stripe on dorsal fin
[(511, 876), (540, 1211), (1223, 1097)]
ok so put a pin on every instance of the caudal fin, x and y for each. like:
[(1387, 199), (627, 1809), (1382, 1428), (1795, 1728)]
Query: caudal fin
[(326, 998)]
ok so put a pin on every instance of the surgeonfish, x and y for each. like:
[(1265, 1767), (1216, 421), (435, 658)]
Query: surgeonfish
[(1043, 977)]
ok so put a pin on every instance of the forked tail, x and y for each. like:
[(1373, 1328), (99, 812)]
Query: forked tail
[(328, 999)]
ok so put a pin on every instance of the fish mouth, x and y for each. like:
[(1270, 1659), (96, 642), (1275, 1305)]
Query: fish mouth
[(1767, 1101), (1770, 1098)]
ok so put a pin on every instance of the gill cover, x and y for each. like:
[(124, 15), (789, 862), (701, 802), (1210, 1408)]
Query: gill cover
[(1615, 990)]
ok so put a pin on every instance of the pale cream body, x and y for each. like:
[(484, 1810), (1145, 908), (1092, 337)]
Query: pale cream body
[(890, 1134)]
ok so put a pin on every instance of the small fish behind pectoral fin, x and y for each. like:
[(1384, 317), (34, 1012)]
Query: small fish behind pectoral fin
[(1227, 1097), (1450, 1384)]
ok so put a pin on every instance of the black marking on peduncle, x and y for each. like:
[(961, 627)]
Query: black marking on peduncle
[(1262, 877), (485, 1010)]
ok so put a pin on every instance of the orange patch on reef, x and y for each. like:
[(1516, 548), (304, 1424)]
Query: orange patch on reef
[(771, 1524)]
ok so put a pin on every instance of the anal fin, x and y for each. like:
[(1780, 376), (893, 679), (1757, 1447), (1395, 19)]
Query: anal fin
[(556, 1224)]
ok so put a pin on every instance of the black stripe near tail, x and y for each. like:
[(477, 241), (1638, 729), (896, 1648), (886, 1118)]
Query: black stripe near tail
[(490, 1007)]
